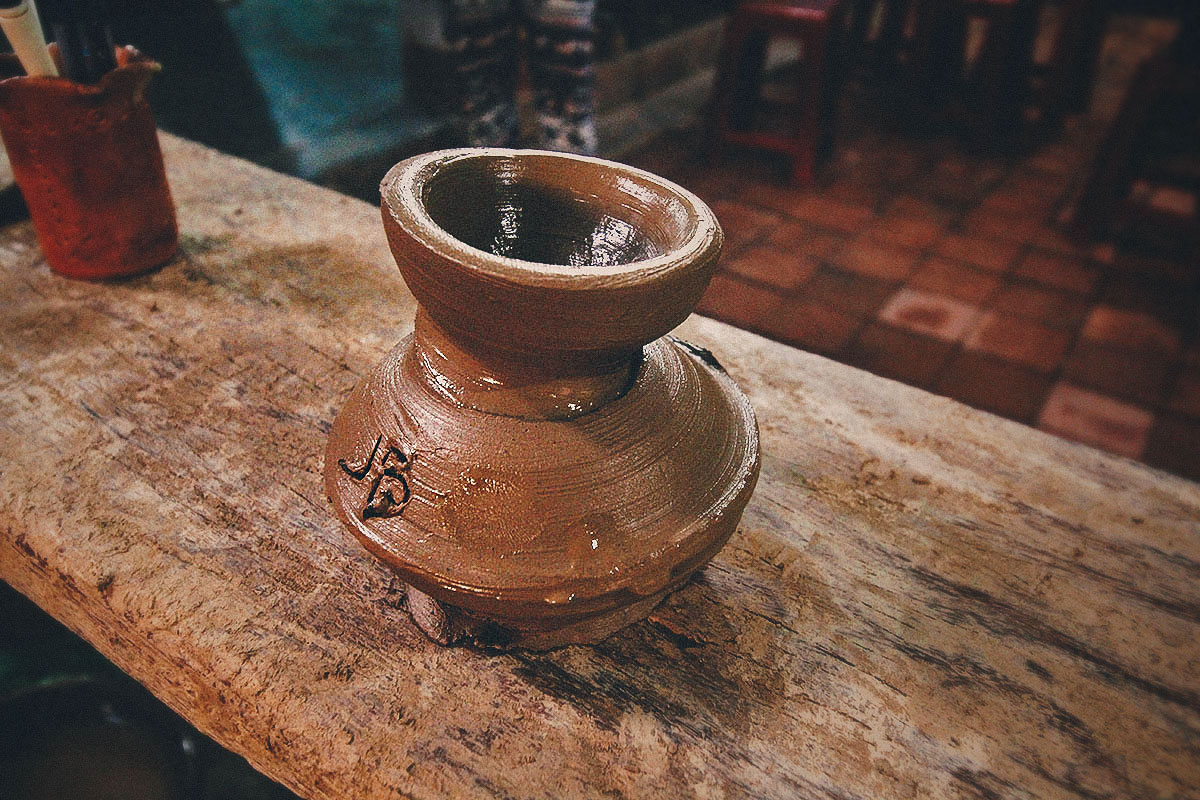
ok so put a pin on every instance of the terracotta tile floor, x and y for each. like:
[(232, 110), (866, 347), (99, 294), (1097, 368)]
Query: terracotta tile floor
[(915, 260)]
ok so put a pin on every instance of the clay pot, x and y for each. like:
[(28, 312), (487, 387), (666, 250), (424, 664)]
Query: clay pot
[(87, 159), (537, 461)]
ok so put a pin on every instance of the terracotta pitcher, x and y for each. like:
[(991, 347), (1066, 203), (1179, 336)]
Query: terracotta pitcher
[(538, 461)]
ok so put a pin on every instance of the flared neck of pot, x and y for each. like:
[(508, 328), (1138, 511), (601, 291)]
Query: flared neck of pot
[(529, 386), (533, 268)]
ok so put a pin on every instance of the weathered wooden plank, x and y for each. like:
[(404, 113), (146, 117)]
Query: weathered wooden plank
[(921, 600)]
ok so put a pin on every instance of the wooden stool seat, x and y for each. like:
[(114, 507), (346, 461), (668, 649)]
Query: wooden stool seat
[(815, 24)]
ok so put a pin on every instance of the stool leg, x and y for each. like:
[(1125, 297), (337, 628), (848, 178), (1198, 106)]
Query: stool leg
[(1093, 24), (1057, 94), (891, 32), (737, 30), (1002, 82), (937, 53), (860, 13), (748, 79), (840, 55), (813, 108), (1109, 180)]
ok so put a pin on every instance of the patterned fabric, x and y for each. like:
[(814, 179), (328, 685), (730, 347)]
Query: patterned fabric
[(559, 34), (563, 73)]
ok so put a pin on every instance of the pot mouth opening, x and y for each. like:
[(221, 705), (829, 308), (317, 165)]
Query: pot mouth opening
[(548, 213)]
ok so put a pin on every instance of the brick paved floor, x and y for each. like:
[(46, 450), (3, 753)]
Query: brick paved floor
[(917, 261)]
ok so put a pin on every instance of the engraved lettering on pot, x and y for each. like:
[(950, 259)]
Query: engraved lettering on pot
[(389, 492)]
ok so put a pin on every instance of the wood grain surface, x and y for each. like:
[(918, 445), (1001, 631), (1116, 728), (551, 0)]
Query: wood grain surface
[(922, 600)]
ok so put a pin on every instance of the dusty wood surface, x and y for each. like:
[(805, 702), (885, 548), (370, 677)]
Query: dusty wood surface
[(922, 600)]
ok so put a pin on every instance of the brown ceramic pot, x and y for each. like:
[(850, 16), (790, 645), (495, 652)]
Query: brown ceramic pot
[(87, 159), (538, 462)]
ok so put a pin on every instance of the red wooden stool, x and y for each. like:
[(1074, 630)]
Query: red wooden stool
[(816, 24)]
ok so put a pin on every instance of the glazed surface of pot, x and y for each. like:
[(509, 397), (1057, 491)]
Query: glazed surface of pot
[(537, 459)]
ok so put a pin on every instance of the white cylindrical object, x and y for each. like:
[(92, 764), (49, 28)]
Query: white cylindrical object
[(24, 31)]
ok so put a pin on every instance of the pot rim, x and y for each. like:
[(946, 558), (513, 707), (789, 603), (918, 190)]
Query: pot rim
[(403, 186)]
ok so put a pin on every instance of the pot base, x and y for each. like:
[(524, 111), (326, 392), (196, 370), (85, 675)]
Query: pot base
[(448, 625), (536, 533)]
